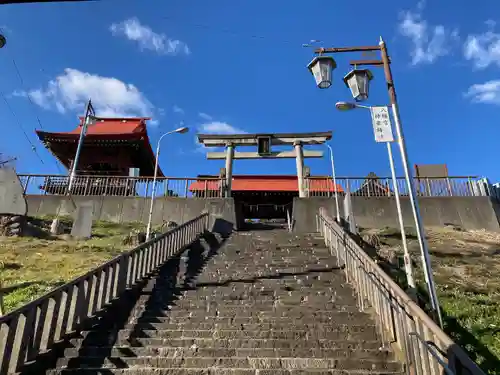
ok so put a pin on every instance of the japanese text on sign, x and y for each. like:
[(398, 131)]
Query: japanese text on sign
[(381, 124)]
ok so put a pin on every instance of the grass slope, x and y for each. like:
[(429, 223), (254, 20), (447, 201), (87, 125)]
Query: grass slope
[(466, 268), (30, 267)]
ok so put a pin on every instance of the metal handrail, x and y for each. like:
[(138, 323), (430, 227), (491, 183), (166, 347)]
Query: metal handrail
[(397, 315), (35, 327), (432, 351)]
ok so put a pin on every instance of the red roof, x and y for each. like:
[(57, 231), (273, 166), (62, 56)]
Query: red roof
[(114, 126), (117, 129), (266, 183)]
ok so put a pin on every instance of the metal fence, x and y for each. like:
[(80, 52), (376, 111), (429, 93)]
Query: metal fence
[(468, 186), (423, 346), (123, 186), (35, 327), (206, 187)]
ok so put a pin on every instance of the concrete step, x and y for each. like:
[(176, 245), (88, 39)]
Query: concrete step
[(262, 298), (193, 351), (268, 307), (283, 258), (213, 371), (310, 285), (212, 343), (258, 289), (249, 313), (368, 334), (290, 256), (370, 327), (332, 318), (284, 297), (302, 259), (297, 272), (255, 287), (252, 315), (283, 293), (263, 274), (231, 362)]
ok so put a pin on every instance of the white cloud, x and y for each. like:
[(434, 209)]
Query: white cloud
[(178, 110), (205, 116), (217, 127), (483, 50), (146, 38), (488, 92), (70, 91), (429, 42), (19, 93)]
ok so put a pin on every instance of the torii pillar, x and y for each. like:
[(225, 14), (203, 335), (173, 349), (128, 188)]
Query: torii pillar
[(299, 159), (229, 168)]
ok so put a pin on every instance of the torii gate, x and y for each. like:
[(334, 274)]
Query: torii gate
[(264, 143)]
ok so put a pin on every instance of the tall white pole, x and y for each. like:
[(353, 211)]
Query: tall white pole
[(426, 261), (334, 177), (406, 256), (153, 192), (83, 132)]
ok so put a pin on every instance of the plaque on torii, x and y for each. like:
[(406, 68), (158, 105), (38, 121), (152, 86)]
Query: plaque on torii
[(264, 144)]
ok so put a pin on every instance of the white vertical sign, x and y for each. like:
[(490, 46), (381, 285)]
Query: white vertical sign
[(381, 124)]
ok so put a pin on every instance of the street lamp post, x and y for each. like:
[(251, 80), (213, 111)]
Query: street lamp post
[(359, 82), (334, 178), (343, 106), (153, 193)]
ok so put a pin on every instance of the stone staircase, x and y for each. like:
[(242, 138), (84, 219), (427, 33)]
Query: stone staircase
[(266, 302)]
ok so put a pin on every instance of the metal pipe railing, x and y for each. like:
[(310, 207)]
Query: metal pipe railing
[(123, 186), (34, 328), (450, 186), (401, 322), (214, 187)]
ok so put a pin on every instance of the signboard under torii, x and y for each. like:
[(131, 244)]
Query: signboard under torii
[(381, 122)]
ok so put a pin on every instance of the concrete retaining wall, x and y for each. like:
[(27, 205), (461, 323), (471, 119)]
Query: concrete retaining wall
[(132, 209), (380, 212)]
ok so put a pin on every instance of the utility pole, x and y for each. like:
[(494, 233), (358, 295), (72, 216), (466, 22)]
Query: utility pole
[(89, 117)]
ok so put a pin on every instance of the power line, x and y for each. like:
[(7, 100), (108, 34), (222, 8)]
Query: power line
[(33, 147), (43, 1), (231, 32), (34, 109), (27, 93)]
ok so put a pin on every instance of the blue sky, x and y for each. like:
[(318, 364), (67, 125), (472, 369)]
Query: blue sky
[(230, 66)]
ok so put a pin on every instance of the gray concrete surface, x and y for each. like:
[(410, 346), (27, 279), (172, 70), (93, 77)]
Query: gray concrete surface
[(379, 212), (12, 200), (82, 224), (132, 209), (369, 212)]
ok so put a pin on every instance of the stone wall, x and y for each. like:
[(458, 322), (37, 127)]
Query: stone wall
[(379, 212), (132, 209)]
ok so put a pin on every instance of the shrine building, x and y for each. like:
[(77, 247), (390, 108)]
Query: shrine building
[(264, 196), (112, 147)]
